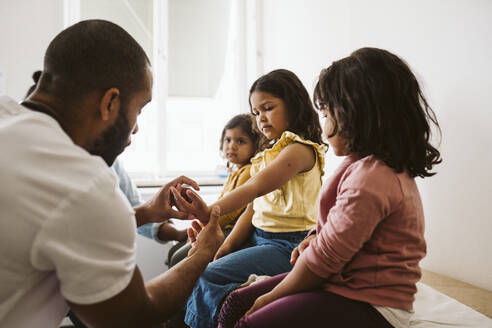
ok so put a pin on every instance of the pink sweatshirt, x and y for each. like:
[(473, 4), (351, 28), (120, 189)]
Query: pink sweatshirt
[(370, 234)]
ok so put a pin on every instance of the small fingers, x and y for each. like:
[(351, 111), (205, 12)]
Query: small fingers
[(183, 179), (252, 309), (180, 202), (294, 256), (196, 225), (193, 196), (191, 235), (218, 255)]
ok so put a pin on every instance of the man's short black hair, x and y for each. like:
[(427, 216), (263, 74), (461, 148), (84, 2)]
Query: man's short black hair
[(91, 56)]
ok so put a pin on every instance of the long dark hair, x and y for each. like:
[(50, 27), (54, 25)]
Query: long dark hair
[(246, 123), (379, 109), (283, 84)]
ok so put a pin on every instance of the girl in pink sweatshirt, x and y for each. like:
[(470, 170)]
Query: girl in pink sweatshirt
[(359, 267)]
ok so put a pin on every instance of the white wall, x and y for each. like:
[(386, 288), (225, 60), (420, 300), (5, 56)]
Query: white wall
[(26, 28), (448, 45), (206, 24)]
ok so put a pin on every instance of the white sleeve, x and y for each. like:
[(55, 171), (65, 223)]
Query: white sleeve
[(89, 242)]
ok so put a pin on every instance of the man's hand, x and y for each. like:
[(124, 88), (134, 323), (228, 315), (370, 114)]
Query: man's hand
[(160, 207), (300, 248), (208, 237), (193, 203)]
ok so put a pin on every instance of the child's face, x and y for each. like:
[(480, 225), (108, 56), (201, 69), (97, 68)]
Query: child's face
[(337, 143), (237, 146), (271, 114)]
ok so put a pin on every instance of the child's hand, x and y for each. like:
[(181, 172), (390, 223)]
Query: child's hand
[(262, 301), (193, 203), (300, 248), (223, 251), (160, 207)]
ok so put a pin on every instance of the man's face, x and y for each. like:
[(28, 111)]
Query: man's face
[(117, 137)]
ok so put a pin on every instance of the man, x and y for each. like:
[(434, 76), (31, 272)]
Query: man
[(161, 232), (66, 230)]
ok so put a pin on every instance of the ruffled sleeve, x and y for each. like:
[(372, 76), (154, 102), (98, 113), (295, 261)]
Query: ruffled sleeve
[(286, 139)]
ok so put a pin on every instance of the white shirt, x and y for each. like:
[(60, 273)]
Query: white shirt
[(66, 230)]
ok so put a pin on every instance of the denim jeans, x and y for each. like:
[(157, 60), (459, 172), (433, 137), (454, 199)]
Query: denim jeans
[(264, 253)]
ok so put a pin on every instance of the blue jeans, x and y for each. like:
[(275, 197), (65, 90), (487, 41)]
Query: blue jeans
[(264, 253)]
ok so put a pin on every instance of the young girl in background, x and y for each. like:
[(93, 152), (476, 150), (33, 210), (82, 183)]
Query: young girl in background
[(238, 143), (360, 266), (280, 196)]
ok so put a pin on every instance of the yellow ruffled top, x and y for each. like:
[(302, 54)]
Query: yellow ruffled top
[(234, 180), (294, 206)]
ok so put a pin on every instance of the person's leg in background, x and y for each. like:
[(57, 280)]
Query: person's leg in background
[(177, 253)]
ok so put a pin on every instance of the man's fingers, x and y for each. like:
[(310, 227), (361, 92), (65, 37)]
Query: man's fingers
[(180, 215)]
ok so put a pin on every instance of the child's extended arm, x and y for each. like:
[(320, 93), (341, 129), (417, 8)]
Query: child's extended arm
[(293, 159), (239, 233)]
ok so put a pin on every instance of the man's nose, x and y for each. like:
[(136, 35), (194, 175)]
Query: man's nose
[(135, 129)]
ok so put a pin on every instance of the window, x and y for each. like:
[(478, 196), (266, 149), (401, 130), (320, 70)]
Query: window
[(204, 56)]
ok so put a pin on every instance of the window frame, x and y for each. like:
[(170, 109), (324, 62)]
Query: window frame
[(251, 59)]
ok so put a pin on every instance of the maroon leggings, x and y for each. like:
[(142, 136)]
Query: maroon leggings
[(309, 309)]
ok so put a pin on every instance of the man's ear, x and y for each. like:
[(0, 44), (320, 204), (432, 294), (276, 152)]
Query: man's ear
[(109, 105)]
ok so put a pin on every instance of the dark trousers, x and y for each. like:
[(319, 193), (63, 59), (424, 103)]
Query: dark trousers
[(308, 309)]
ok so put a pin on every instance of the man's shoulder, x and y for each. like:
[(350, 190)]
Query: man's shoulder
[(40, 158)]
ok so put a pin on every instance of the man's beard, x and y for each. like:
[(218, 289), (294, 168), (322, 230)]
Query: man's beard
[(114, 140)]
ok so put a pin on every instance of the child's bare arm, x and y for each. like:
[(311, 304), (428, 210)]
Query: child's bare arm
[(293, 159)]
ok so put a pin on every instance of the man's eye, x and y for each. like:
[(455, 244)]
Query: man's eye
[(268, 108), (241, 141), (227, 140)]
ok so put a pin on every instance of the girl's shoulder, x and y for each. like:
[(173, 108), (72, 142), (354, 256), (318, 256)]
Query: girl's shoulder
[(372, 173), (287, 139)]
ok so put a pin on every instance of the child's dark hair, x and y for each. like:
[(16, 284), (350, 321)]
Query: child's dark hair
[(379, 109), (283, 84), (35, 77), (246, 123)]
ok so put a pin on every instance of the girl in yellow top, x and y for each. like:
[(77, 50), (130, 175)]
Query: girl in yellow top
[(239, 142), (281, 196)]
